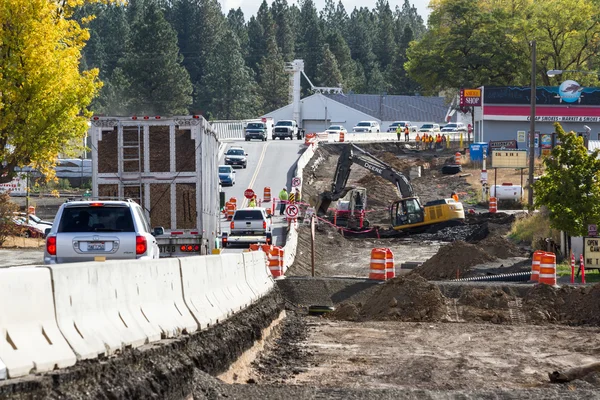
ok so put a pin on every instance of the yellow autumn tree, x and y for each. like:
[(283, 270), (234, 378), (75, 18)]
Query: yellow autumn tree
[(43, 92)]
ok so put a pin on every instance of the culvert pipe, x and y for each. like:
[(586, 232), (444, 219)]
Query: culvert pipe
[(514, 277)]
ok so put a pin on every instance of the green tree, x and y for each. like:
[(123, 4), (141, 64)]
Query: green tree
[(408, 15), (229, 85), (272, 79), (384, 44), (570, 186), (284, 29), (235, 20), (328, 72), (256, 43), (398, 80), (43, 92), (159, 82), (310, 39), (466, 46), (346, 65)]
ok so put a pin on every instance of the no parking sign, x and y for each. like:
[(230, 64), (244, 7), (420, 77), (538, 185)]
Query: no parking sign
[(296, 182)]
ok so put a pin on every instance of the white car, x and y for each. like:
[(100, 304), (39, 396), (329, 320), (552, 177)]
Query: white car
[(336, 129), (454, 127), (430, 128), (367, 127)]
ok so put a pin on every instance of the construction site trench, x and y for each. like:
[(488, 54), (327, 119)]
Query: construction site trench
[(421, 335)]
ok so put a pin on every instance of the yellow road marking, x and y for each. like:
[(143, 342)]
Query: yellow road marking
[(256, 171)]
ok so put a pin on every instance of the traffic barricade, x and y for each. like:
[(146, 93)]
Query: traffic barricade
[(535, 265), (342, 137), (548, 269), (493, 205), (457, 158), (390, 270), (267, 195), (377, 267), (274, 262), (230, 207)]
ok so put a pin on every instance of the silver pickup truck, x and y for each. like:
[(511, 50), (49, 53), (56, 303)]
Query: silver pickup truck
[(248, 226)]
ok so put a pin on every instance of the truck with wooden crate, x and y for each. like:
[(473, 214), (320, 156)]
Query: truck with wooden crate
[(169, 165)]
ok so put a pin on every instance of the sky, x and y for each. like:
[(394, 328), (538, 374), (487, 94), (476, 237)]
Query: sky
[(250, 7)]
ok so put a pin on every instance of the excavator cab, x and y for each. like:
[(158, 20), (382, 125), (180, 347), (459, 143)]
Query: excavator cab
[(406, 212)]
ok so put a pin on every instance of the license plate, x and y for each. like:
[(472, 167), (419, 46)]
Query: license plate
[(96, 246), (167, 248)]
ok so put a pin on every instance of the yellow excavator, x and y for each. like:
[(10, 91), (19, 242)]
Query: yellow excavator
[(407, 213)]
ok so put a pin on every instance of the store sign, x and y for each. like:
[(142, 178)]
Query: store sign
[(570, 91), (591, 252), (509, 159), (470, 97), (546, 141), (565, 119), (521, 136), (503, 144)]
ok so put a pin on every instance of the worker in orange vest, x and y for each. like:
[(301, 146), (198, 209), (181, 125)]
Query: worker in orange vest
[(455, 196)]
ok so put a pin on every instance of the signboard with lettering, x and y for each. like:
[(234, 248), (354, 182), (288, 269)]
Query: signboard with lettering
[(592, 230), (591, 252), (509, 159), (470, 97), (521, 136), (546, 140), (503, 144)]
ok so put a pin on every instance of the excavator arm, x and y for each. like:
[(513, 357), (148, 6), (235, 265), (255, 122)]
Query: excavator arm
[(352, 154)]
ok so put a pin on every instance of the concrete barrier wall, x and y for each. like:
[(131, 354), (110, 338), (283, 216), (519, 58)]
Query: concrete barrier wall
[(29, 337), (61, 313)]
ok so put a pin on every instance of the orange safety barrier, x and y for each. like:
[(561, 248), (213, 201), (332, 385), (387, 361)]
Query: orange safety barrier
[(535, 265), (377, 267), (281, 258), (493, 205), (342, 137), (274, 262), (457, 157), (309, 138), (230, 207), (234, 201), (390, 269), (548, 269), (31, 210), (267, 194), (255, 247)]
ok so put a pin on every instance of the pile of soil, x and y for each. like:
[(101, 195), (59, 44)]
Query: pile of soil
[(567, 305), (327, 238), (500, 247), (407, 298), (457, 256)]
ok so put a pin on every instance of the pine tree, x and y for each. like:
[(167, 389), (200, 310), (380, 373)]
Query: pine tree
[(397, 78), (228, 84), (284, 30), (347, 66), (256, 43), (328, 72), (159, 83), (235, 20), (310, 40), (385, 43), (273, 86), (408, 15)]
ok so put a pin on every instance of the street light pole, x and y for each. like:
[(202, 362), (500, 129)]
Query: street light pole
[(532, 128)]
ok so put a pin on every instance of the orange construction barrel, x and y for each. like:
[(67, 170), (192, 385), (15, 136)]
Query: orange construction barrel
[(535, 265), (457, 157), (377, 269), (493, 205), (267, 194), (390, 270), (274, 266), (342, 137), (548, 269)]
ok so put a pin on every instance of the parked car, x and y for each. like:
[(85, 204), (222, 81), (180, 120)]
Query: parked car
[(100, 230), (336, 129), (22, 228), (236, 156), (367, 126), (454, 127), (35, 224), (394, 125), (226, 175), (430, 128)]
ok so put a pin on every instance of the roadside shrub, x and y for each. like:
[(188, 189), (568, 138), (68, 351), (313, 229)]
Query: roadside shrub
[(533, 227), (7, 226)]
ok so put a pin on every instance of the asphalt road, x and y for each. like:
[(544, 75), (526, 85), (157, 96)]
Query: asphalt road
[(270, 164)]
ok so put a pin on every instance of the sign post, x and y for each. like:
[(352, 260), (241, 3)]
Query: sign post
[(312, 244)]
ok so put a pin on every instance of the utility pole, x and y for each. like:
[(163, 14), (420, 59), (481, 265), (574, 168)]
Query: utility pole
[(532, 128)]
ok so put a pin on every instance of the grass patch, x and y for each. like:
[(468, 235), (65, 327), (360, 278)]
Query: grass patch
[(564, 269), (531, 227)]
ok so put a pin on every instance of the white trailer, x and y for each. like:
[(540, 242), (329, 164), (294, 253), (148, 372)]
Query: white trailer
[(169, 165)]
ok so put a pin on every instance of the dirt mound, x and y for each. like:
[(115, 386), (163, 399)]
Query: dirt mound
[(500, 247), (457, 256), (496, 218), (345, 312), (406, 298), (568, 305)]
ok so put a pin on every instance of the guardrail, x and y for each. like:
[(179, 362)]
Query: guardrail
[(63, 313)]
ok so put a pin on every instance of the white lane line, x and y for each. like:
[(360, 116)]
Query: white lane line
[(256, 171)]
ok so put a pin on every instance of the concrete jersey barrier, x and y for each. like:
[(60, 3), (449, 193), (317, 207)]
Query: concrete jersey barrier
[(257, 273), (30, 340)]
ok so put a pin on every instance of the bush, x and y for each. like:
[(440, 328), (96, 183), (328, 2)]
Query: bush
[(7, 226), (532, 227)]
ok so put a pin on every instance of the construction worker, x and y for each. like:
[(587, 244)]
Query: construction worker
[(283, 198), (455, 196), (298, 195), (418, 140), (398, 131), (252, 202), (406, 134)]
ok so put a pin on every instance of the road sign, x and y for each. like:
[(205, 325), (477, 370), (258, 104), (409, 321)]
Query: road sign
[(249, 193), (296, 182), (592, 230), (291, 211)]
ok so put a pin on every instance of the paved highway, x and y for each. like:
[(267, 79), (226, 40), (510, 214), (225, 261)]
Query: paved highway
[(270, 164)]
